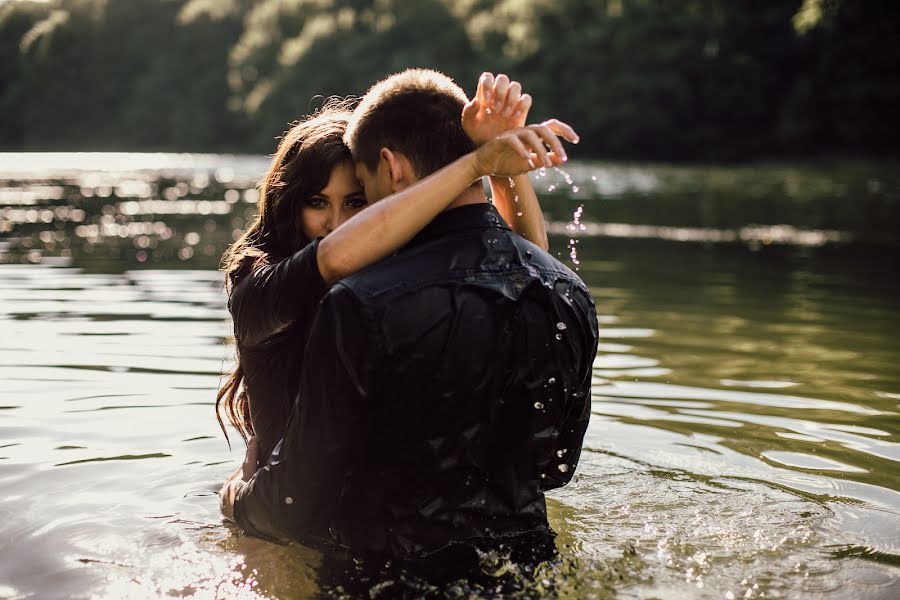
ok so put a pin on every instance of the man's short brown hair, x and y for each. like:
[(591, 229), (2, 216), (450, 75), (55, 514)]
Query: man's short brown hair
[(416, 112)]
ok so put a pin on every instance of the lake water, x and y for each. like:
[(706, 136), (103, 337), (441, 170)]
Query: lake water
[(744, 441)]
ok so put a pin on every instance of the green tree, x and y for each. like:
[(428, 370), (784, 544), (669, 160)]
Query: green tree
[(16, 20), (293, 52)]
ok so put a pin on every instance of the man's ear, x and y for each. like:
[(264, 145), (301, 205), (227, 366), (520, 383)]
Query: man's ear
[(397, 167)]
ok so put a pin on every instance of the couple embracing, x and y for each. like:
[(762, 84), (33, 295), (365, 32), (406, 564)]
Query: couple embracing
[(413, 367)]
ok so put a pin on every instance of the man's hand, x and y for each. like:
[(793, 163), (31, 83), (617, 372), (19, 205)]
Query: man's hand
[(525, 149), (498, 106), (233, 482)]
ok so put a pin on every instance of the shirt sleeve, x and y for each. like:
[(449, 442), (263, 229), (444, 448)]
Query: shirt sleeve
[(575, 424), (295, 494), (270, 299)]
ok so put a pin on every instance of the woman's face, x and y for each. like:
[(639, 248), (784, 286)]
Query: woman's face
[(339, 200)]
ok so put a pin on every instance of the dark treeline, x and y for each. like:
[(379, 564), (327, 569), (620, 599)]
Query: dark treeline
[(649, 79)]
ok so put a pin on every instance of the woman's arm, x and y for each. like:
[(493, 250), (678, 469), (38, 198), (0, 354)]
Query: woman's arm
[(517, 203), (499, 105), (381, 229), (269, 299)]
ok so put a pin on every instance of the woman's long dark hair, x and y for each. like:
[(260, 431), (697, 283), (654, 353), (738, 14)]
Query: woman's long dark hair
[(300, 168)]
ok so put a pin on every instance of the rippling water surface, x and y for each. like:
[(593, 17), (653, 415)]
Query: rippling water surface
[(744, 440)]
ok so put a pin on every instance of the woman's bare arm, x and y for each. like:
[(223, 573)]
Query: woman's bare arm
[(517, 203), (381, 229), (499, 105)]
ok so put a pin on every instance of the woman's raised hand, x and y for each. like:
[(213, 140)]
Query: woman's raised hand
[(498, 106), (524, 149)]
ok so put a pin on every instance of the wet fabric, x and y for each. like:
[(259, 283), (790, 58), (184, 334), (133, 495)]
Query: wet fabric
[(273, 308), (443, 391)]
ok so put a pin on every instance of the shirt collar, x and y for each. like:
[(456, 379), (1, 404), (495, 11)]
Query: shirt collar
[(471, 216)]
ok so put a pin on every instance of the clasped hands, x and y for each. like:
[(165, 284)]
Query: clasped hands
[(495, 120)]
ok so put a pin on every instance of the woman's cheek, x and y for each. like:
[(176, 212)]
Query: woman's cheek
[(312, 223)]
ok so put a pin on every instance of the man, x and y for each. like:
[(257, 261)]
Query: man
[(444, 388)]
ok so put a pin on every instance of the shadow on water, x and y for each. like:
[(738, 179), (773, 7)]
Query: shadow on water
[(744, 438)]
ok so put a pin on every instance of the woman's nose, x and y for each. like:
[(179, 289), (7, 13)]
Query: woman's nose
[(333, 221), (340, 217)]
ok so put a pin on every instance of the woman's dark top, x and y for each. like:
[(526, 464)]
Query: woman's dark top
[(272, 308)]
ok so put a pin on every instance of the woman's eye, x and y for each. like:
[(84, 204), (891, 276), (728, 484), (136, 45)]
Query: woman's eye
[(356, 202), (317, 202)]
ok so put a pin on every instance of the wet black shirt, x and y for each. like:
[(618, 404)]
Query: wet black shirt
[(273, 308), (444, 389)]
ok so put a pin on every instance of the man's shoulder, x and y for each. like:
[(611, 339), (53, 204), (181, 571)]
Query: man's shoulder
[(484, 257)]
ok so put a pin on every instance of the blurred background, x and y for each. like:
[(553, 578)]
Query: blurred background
[(712, 80), (734, 206)]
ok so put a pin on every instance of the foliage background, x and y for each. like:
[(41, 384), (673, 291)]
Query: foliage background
[(718, 80)]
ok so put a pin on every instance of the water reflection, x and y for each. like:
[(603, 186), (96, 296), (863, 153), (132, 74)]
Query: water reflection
[(744, 439)]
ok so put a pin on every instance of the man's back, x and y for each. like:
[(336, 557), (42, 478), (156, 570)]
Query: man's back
[(482, 349), (459, 380)]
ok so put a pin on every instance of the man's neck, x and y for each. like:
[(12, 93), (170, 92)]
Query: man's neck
[(473, 195)]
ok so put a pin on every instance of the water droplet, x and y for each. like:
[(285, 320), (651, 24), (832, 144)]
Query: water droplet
[(551, 380), (512, 184), (564, 468), (539, 405), (519, 214), (574, 189), (288, 500), (562, 452), (558, 336), (561, 326)]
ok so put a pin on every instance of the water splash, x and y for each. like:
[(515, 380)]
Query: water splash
[(573, 226)]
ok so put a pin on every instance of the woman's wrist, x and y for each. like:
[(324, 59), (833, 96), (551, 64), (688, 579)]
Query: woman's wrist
[(474, 166)]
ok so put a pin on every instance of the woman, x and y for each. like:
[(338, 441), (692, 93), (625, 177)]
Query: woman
[(304, 239)]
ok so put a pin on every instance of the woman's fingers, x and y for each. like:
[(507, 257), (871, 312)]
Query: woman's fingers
[(521, 148), (550, 139), (512, 98), (501, 87), (562, 129), (471, 108), (536, 144), (523, 105), (485, 87)]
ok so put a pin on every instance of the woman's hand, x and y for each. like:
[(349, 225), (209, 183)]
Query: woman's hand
[(498, 106), (248, 469), (233, 482), (524, 149)]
